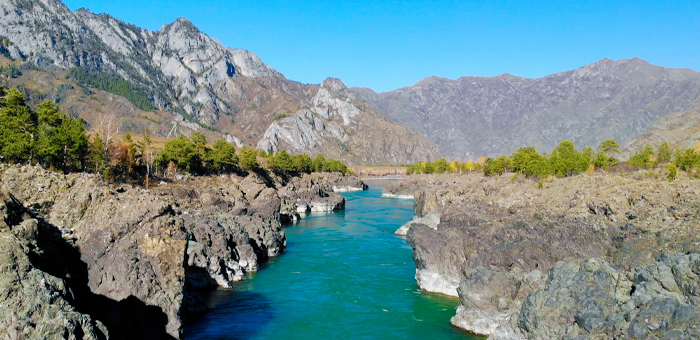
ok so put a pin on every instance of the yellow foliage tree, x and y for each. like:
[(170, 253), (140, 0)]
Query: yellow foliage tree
[(481, 160), (454, 166), (470, 166)]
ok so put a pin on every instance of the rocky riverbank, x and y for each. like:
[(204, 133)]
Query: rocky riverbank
[(601, 255), (126, 262)]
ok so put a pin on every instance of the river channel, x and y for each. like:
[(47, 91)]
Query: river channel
[(344, 275)]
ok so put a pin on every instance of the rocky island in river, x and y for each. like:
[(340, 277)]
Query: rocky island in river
[(590, 256)]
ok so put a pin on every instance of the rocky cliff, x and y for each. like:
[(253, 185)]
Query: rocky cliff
[(490, 116), (199, 84), (498, 237), (130, 262)]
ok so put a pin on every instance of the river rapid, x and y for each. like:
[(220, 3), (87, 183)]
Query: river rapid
[(344, 275)]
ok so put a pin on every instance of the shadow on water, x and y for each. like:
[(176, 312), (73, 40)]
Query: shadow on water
[(241, 315)]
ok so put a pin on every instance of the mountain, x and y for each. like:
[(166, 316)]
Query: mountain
[(489, 116), (190, 79)]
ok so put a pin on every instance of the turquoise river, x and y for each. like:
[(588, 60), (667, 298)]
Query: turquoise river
[(344, 275)]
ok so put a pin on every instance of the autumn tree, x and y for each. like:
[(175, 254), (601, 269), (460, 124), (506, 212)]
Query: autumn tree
[(146, 149)]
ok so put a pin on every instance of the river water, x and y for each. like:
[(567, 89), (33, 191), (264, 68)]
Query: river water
[(344, 275)]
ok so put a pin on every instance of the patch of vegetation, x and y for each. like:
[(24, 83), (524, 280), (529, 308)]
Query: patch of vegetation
[(208, 127), (10, 71), (113, 84), (281, 116), (4, 44)]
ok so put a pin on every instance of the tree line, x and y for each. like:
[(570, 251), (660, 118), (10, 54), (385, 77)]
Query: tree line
[(565, 160), (193, 155), (48, 137)]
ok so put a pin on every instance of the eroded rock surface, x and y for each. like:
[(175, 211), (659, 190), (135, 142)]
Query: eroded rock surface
[(497, 235), (35, 304), (594, 300)]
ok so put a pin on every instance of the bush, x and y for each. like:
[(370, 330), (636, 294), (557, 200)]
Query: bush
[(565, 160), (687, 160), (663, 153), (672, 172), (281, 162)]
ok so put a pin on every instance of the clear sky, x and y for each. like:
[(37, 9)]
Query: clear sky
[(385, 45)]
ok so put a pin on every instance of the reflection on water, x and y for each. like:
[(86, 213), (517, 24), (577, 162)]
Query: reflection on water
[(344, 275)]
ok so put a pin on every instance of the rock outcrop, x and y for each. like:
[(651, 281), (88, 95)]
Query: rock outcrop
[(316, 192), (471, 117), (497, 235), (594, 300), (34, 303), (139, 258)]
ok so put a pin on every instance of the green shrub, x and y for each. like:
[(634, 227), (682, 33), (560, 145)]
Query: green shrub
[(672, 172)]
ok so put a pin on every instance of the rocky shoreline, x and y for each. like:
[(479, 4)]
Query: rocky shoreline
[(85, 257), (590, 256)]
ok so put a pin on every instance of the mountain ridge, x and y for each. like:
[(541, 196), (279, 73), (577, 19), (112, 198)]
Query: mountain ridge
[(473, 116)]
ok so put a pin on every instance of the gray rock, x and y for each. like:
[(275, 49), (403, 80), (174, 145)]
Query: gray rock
[(430, 220), (33, 303), (593, 300)]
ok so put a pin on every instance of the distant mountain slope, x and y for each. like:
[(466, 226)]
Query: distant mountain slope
[(681, 130), (489, 116), (185, 72)]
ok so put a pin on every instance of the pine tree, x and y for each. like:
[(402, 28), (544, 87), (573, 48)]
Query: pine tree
[(663, 153), (18, 126), (223, 157)]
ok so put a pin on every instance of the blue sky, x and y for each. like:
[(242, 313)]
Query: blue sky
[(385, 45)]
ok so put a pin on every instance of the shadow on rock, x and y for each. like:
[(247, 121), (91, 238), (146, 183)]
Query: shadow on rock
[(57, 255)]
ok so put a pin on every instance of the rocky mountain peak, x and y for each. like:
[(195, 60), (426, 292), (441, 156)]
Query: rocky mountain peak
[(334, 85)]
